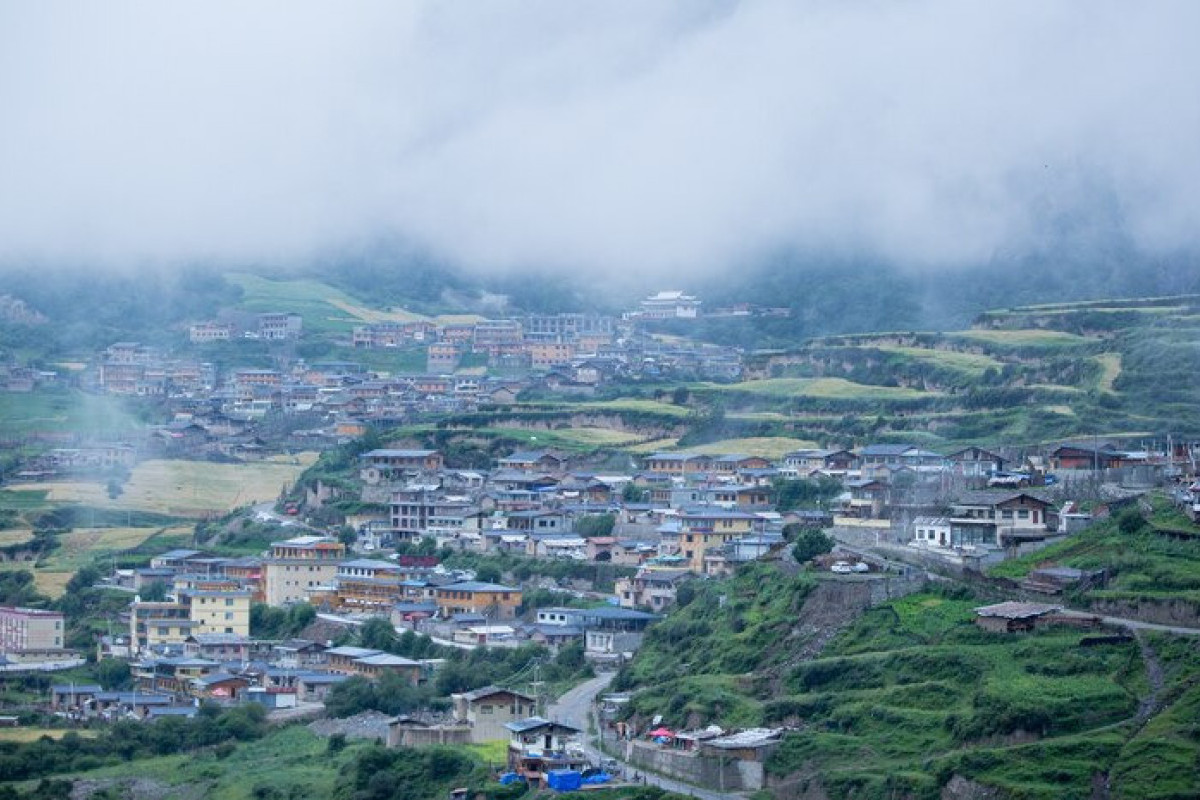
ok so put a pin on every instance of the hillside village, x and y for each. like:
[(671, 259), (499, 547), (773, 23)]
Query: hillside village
[(682, 517), (390, 560)]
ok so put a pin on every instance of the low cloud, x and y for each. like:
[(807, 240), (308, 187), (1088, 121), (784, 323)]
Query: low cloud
[(605, 137)]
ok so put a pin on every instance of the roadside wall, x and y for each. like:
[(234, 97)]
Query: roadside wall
[(726, 774)]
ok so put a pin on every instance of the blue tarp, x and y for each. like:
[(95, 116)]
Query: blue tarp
[(599, 777), (509, 778), (564, 780)]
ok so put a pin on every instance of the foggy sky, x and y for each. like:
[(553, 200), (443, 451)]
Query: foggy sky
[(599, 137)]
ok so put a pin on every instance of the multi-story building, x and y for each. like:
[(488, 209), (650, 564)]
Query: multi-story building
[(204, 332), (201, 607), (670, 305), (498, 336), (474, 597), (703, 529), (299, 565), (276, 326), (442, 357), (30, 629), (544, 355), (650, 588), (388, 464), (568, 327)]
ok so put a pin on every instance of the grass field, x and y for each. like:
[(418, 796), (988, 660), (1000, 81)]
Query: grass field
[(654, 446), (26, 413), (184, 488), (1111, 364), (831, 388), (647, 406), (972, 363), (289, 762), (598, 437), (1031, 336), (80, 546), (322, 307), (28, 500)]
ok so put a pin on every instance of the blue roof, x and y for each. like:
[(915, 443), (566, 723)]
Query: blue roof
[(477, 586)]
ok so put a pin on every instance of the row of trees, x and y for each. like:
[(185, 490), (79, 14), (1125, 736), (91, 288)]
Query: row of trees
[(127, 740)]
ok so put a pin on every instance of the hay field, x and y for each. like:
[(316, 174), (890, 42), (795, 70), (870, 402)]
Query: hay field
[(184, 488)]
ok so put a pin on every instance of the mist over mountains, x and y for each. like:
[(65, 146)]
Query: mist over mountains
[(621, 143)]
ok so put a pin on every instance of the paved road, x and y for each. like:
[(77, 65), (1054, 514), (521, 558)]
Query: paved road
[(574, 708)]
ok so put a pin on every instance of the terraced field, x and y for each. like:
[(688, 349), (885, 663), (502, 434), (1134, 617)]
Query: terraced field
[(832, 388)]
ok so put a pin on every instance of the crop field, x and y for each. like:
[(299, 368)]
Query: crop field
[(26, 413), (646, 406), (772, 447), (973, 363), (12, 536), (80, 546), (184, 488), (831, 388), (598, 437), (654, 446)]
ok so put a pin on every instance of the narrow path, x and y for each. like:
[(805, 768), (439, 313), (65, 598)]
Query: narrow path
[(1154, 674), (574, 708)]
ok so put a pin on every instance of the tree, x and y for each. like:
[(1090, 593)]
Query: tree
[(680, 396), (154, 592), (633, 493), (488, 573), (595, 525), (378, 634), (810, 543)]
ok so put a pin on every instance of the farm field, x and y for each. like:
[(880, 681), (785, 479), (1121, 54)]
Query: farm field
[(831, 388), (66, 412), (772, 447), (1030, 336), (11, 536), (973, 363), (322, 307), (184, 488), (647, 406), (81, 545)]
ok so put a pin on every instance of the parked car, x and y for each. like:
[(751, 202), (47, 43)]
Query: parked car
[(841, 568), (861, 566)]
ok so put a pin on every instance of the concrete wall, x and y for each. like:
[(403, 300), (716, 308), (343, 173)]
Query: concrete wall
[(729, 774), (418, 736)]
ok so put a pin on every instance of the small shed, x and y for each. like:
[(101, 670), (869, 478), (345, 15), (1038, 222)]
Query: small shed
[(1011, 616)]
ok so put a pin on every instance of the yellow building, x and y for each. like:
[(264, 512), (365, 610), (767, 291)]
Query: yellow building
[(708, 529), (218, 611), (297, 566), (194, 611), (474, 597), (153, 623)]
